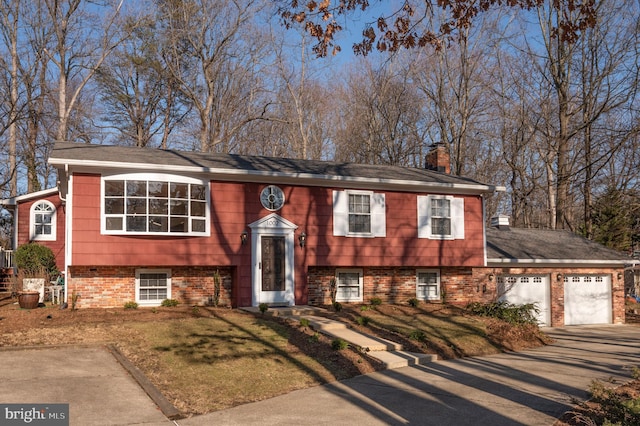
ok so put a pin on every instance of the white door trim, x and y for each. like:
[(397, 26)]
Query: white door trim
[(272, 225)]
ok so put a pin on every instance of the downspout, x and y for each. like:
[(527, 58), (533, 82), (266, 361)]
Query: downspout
[(67, 232), (484, 229)]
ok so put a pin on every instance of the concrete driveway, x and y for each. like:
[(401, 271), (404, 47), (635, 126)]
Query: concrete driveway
[(97, 388), (528, 388)]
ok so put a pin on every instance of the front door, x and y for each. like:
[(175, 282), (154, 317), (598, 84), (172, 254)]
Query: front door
[(273, 264)]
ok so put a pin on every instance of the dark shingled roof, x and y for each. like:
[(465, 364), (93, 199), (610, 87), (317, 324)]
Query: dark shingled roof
[(64, 152), (546, 245)]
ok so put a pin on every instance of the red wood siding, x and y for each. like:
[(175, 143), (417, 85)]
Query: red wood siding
[(236, 205), (24, 224)]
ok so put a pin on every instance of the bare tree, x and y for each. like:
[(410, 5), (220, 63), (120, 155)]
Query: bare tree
[(211, 52), (84, 34), (454, 81), (381, 119), (140, 98), (10, 15), (297, 118)]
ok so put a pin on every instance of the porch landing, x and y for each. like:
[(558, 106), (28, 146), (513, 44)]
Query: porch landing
[(389, 353)]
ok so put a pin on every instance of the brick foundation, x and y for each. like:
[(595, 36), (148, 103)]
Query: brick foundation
[(461, 286), (105, 287)]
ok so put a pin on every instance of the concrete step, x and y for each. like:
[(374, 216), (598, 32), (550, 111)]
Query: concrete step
[(286, 311), (388, 352), (365, 342), (399, 359), (294, 311), (324, 324)]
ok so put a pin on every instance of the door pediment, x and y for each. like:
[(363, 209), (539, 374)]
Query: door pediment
[(272, 221)]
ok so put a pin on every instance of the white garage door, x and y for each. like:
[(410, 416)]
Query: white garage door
[(523, 289), (587, 299)]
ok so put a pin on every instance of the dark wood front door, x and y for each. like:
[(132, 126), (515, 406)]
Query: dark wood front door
[(273, 261)]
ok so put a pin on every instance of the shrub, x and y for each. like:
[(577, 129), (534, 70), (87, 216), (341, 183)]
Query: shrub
[(418, 335), (376, 301), (36, 260), (263, 307), (337, 306), (304, 322), (170, 302), (131, 305), (618, 409), (513, 314), (363, 320), (315, 338), (364, 308), (339, 344), (413, 302)]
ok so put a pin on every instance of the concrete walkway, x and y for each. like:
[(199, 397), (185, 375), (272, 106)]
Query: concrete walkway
[(389, 353)]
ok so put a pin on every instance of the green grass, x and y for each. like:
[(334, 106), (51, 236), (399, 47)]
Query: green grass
[(218, 362)]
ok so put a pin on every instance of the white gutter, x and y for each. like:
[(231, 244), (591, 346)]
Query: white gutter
[(556, 262)]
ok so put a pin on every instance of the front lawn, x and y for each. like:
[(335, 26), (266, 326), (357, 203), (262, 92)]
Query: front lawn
[(205, 359)]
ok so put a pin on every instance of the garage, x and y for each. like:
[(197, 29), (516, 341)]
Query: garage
[(587, 299), (523, 289)]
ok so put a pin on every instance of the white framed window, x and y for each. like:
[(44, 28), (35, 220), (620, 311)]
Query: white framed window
[(428, 284), (359, 214), (152, 286), (43, 221), (349, 285), (155, 204), (440, 217)]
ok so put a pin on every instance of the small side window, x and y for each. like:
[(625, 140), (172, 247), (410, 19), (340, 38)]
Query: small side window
[(43, 221)]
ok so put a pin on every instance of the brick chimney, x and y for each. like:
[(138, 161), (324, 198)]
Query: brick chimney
[(438, 158)]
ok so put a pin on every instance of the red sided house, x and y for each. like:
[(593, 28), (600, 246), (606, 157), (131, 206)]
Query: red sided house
[(144, 225)]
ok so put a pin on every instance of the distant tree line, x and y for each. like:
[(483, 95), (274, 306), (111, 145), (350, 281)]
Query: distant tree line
[(538, 96)]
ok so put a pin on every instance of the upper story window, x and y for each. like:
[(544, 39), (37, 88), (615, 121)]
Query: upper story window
[(440, 217), (155, 204), (359, 214), (43, 221)]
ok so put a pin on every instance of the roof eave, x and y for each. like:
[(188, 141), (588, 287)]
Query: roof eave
[(227, 174), (25, 197)]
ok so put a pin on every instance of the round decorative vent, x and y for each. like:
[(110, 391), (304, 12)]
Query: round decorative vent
[(272, 198)]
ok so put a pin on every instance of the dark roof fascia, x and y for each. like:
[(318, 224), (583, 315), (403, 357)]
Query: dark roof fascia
[(85, 164)]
